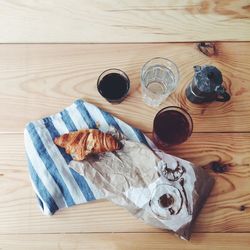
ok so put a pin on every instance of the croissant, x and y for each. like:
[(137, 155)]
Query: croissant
[(81, 143)]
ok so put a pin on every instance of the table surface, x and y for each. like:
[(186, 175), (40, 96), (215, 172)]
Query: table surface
[(38, 79)]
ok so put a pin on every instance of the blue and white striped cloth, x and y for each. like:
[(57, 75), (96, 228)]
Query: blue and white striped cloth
[(55, 184)]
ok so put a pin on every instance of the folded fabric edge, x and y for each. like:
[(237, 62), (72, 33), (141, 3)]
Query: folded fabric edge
[(46, 200), (42, 194), (40, 202)]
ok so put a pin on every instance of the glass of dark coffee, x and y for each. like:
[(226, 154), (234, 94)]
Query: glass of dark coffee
[(172, 125), (113, 85)]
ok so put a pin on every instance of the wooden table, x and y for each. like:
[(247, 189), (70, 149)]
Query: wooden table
[(40, 79)]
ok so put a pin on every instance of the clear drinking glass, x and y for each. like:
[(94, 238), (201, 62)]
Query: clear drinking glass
[(159, 78)]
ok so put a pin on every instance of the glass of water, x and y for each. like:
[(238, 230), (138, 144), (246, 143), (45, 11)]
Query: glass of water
[(159, 78)]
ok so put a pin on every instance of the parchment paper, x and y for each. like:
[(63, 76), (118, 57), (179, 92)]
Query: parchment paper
[(164, 191)]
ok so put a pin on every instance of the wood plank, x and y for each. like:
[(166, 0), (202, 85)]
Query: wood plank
[(226, 210), (38, 80), (131, 21), (131, 241)]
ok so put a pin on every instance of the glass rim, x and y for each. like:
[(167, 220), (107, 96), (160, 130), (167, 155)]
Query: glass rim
[(105, 72), (164, 59), (178, 109)]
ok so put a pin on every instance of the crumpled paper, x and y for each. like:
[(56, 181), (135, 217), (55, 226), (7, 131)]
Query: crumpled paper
[(164, 191)]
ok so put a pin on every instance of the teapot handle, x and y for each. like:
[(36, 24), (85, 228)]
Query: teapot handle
[(222, 95)]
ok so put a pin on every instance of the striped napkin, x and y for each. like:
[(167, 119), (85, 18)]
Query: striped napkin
[(56, 185)]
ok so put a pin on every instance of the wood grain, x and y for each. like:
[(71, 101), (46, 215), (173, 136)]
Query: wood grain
[(39, 80), (121, 241), (67, 21), (226, 210)]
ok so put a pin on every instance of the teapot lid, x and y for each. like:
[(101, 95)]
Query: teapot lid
[(207, 78)]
